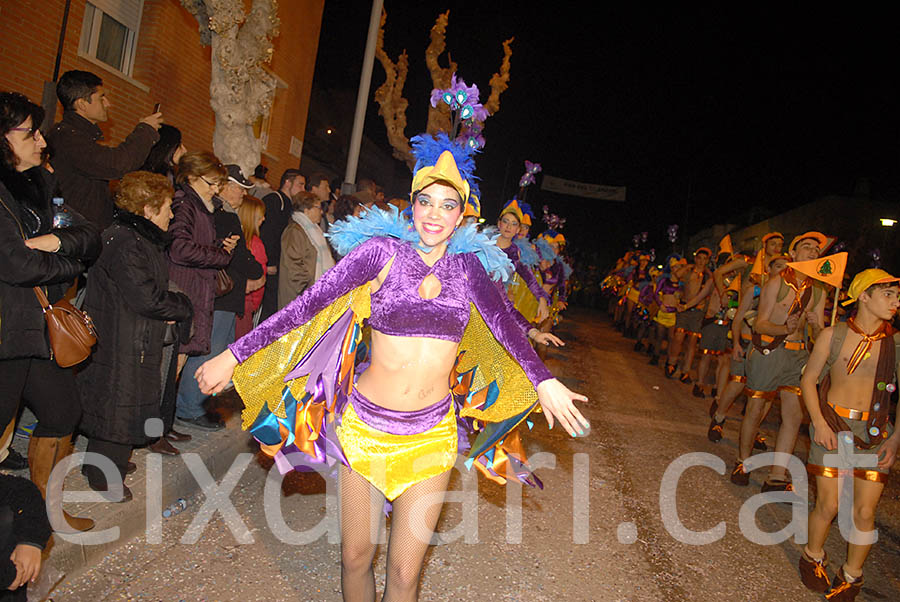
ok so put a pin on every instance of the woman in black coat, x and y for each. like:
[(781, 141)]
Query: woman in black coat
[(33, 253), (129, 300)]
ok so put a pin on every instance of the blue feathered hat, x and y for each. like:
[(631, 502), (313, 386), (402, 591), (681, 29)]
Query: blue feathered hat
[(439, 159)]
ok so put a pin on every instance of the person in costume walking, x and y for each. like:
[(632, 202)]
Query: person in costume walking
[(847, 387), (524, 290), (424, 285)]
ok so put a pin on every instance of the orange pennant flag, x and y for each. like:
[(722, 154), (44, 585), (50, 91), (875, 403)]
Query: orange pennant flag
[(758, 270), (828, 269), (725, 246), (735, 284)]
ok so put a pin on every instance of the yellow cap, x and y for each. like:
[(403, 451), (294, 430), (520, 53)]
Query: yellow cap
[(444, 170), (818, 236), (771, 235), (513, 207), (526, 219), (864, 280)]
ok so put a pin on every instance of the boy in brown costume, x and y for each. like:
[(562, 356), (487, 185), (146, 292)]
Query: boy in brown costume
[(788, 304), (857, 362)]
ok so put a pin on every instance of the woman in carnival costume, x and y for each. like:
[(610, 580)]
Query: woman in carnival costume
[(668, 292), (436, 316), (638, 278), (528, 296)]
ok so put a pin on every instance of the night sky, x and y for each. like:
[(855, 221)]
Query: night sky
[(702, 114)]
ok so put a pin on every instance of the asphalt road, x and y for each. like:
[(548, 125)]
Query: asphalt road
[(599, 530)]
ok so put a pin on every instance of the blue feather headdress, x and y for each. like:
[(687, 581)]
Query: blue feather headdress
[(527, 255), (545, 250), (351, 232), (428, 151)]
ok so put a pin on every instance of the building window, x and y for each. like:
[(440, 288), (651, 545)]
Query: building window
[(109, 32)]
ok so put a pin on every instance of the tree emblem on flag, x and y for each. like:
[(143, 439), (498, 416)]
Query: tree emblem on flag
[(826, 268)]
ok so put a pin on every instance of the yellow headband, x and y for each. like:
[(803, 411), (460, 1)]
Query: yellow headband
[(513, 207), (444, 171)]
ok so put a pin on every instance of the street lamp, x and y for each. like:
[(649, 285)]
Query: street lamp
[(888, 222)]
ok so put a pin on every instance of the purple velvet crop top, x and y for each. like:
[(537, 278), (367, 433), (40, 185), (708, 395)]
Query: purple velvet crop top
[(397, 308), (527, 276)]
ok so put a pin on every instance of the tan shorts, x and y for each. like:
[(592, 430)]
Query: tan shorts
[(780, 369), (817, 466)]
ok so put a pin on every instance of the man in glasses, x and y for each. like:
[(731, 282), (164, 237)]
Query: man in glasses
[(83, 166)]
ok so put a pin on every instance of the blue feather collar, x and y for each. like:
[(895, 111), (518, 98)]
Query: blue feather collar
[(348, 234)]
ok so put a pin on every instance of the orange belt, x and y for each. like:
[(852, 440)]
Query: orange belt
[(849, 413), (794, 345)]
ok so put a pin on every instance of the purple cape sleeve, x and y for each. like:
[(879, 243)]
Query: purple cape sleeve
[(528, 276), (483, 293), (361, 265), (560, 280)]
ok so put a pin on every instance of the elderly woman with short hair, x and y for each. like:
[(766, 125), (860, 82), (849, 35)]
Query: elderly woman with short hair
[(305, 255), (129, 299)]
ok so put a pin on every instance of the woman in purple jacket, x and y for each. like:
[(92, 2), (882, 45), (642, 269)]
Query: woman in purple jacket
[(194, 258)]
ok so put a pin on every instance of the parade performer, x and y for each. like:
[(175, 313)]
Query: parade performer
[(646, 309), (436, 318), (777, 356), (855, 364), (689, 319), (714, 341), (638, 278), (772, 245), (554, 274), (527, 295), (668, 290), (741, 335)]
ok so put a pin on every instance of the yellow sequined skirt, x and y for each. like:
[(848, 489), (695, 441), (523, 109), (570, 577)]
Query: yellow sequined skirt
[(390, 461)]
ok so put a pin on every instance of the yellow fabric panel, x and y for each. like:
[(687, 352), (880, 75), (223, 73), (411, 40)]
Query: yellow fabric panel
[(260, 379), (480, 349), (522, 298), (393, 463)]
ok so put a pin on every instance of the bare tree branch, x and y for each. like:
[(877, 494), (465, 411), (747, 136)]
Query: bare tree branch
[(439, 117), (389, 96), (500, 81)]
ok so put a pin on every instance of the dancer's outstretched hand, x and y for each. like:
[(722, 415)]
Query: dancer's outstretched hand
[(557, 401), (545, 338), (214, 375)]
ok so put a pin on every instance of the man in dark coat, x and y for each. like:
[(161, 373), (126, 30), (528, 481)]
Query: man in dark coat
[(278, 215), (83, 166)]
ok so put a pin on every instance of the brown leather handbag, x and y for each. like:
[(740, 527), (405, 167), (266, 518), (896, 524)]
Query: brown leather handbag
[(224, 283), (71, 331)]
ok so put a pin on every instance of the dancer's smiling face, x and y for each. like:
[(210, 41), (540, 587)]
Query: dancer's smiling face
[(437, 211)]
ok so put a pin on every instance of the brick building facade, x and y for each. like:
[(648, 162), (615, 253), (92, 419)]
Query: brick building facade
[(167, 65)]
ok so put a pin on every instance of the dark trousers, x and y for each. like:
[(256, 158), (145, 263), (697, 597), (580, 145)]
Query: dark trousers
[(119, 453), (169, 388), (45, 388), (270, 297)]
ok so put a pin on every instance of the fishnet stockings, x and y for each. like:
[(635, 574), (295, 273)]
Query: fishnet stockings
[(361, 511), (413, 520)]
